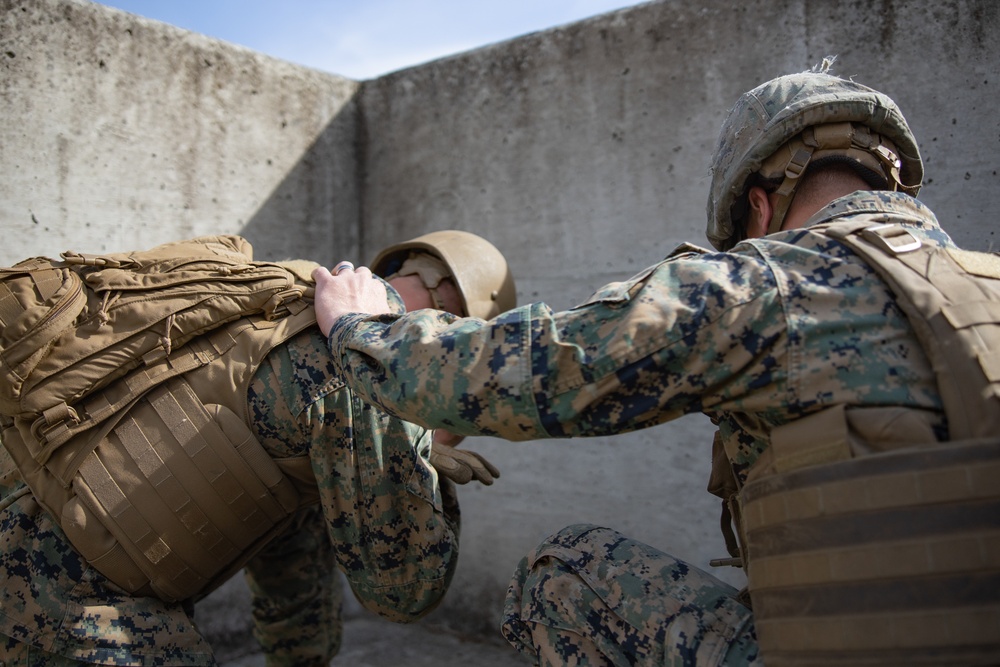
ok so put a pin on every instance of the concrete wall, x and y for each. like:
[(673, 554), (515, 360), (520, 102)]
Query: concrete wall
[(119, 132), (581, 152)]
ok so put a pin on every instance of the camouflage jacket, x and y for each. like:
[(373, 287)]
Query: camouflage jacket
[(380, 499), (755, 337)]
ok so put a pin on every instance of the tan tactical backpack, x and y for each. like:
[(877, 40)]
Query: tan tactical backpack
[(867, 541), (123, 398)]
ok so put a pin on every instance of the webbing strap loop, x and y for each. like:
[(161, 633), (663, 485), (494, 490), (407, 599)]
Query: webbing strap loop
[(793, 171), (282, 303), (797, 165), (51, 429), (83, 259), (893, 239)]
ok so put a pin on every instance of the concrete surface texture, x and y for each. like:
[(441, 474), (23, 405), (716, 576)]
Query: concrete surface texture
[(370, 642), (581, 152), (121, 132)]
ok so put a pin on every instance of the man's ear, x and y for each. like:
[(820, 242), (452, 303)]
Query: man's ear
[(760, 212)]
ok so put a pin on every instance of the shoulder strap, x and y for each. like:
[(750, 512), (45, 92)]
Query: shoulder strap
[(952, 299)]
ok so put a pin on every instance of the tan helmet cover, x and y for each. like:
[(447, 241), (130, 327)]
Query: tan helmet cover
[(769, 116), (479, 270)]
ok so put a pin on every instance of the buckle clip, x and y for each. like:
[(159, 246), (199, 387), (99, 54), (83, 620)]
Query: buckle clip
[(52, 429), (285, 302), (886, 237)]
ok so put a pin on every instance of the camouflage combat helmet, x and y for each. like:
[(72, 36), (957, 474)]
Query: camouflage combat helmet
[(479, 270), (777, 129)]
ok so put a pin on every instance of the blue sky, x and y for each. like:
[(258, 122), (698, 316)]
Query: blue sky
[(362, 39)]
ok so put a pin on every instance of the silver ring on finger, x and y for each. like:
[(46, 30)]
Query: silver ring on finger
[(343, 266)]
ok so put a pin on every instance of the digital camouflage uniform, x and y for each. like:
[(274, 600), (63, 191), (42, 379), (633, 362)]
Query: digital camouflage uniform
[(756, 337), (382, 519)]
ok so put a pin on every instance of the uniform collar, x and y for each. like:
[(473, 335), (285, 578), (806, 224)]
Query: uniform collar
[(901, 207)]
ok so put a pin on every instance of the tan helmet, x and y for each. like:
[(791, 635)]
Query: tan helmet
[(479, 270), (779, 128)]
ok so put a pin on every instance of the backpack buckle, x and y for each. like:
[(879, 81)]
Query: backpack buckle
[(85, 259), (52, 428), (283, 303)]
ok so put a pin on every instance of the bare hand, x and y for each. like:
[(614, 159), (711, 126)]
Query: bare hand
[(350, 291)]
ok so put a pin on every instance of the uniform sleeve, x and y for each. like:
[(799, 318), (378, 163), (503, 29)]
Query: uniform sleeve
[(683, 336)]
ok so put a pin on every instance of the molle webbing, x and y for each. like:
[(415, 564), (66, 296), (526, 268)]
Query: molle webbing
[(885, 559), (196, 492), (184, 488)]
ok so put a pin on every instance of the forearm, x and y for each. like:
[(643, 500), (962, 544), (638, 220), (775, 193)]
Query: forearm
[(468, 376), (529, 374)]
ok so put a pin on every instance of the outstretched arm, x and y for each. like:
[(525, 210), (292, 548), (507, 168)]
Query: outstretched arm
[(671, 340)]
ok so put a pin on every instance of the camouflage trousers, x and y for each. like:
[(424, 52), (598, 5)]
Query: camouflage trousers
[(18, 654), (589, 596), (297, 595)]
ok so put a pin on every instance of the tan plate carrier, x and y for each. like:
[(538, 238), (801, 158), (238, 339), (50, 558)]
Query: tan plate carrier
[(890, 558)]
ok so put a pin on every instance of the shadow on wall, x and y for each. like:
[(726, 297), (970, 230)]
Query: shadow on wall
[(314, 212)]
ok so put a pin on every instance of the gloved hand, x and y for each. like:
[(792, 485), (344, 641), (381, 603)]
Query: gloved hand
[(459, 465)]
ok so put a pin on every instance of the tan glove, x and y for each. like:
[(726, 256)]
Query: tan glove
[(459, 465)]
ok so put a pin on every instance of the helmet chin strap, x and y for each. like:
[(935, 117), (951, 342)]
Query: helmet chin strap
[(892, 165), (786, 191), (836, 138)]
